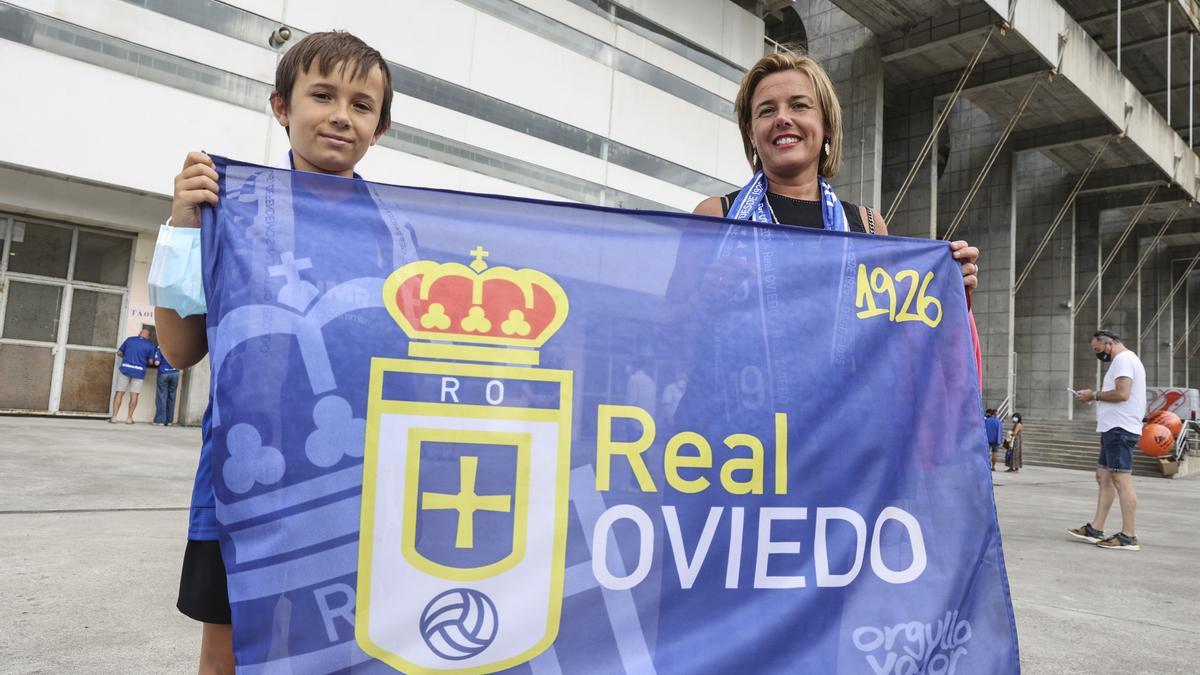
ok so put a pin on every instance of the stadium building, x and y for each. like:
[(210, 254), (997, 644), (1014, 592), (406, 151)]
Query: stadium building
[(1057, 135)]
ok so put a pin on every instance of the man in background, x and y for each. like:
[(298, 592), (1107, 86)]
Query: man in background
[(135, 353), (1120, 407), (168, 382)]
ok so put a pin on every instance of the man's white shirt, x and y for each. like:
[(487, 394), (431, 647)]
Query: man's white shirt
[(1127, 414)]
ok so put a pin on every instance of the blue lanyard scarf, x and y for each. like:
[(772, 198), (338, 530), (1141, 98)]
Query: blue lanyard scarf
[(751, 204)]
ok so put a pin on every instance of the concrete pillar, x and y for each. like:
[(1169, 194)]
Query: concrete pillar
[(849, 53), (1043, 327), (1188, 360), (1124, 317), (908, 119), (1091, 246), (970, 135)]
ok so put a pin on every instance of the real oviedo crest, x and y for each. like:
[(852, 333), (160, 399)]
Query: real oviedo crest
[(464, 503)]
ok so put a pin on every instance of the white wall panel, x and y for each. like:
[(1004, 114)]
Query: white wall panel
[(477, 182), (736, 35), (534, 73), (384, 165), (728, 90), (47, 7), (432, 118), (154, 30), (515, 144), (731, 158), (272, 9), (741, 35), (432, 37), (574, 16), (675, 64), (623, 179), (658, 123), (472, 130), (81, 120), (606, 31)]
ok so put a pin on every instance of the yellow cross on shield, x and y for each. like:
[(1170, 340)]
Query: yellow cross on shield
[(464, 511)]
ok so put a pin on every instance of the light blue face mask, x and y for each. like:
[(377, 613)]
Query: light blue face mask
[(176, 279)]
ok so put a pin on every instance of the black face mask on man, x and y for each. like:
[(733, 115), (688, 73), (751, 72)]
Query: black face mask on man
[(1104, 356)]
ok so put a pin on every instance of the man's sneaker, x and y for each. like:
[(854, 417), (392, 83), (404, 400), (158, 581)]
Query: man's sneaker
[(1122, 541), (1087, 533)]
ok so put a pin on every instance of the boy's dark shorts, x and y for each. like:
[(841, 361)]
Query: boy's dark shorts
[(1116, 450), (203, 590)]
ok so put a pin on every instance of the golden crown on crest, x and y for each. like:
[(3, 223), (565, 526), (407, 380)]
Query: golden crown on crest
[(477, 305)]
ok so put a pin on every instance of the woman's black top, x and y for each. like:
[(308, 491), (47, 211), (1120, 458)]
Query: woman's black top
[(802, 212)]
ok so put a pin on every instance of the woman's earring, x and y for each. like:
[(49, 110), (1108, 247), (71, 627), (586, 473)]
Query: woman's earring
[(754, 157), (827, 147)]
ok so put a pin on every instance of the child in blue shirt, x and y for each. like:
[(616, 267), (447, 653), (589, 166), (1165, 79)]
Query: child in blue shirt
[(995, 433), (333, 95)]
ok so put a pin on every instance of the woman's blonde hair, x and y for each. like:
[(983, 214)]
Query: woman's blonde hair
[(831, 110)]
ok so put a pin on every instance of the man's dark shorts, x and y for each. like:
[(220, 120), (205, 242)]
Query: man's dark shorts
[(1116, 450), (203, 591)]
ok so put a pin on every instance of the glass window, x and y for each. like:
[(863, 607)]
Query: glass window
[(40, 249), (31, 312), (102, 259), (94, 318)]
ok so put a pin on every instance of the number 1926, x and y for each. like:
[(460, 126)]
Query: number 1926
[(879, 285)]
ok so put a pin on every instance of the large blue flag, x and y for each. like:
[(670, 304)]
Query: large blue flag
[(456, 433)]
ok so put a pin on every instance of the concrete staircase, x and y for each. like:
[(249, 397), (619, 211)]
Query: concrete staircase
[(1073, 445)]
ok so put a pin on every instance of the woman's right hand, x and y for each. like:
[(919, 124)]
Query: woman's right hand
[(195, 185)]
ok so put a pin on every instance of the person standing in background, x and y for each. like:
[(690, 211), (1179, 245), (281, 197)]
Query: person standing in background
[(168, 383), (1120, 407), (640, 389), (1015, 460), (995, 433), (671, 396), (135, 353)]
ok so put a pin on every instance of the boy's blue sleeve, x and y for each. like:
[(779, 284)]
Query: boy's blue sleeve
[(175, 275)]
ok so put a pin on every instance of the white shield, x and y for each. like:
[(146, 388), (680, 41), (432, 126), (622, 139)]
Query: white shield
[(463, 533)]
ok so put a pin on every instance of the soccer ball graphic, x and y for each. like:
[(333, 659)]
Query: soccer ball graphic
[(459, 623)]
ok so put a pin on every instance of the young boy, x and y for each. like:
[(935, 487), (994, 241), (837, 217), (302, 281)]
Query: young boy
[(333, 95)]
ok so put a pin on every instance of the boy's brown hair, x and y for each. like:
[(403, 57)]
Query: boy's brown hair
[(333, 49)]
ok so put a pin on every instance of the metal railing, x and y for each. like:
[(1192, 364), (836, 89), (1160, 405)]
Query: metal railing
[(1003, 409)]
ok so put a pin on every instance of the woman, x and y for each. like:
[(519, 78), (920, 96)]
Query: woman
[(1015, 462), (791, 124)]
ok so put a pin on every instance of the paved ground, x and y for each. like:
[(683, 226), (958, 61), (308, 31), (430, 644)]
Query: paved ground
[(93, 517), (1081, 609)]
